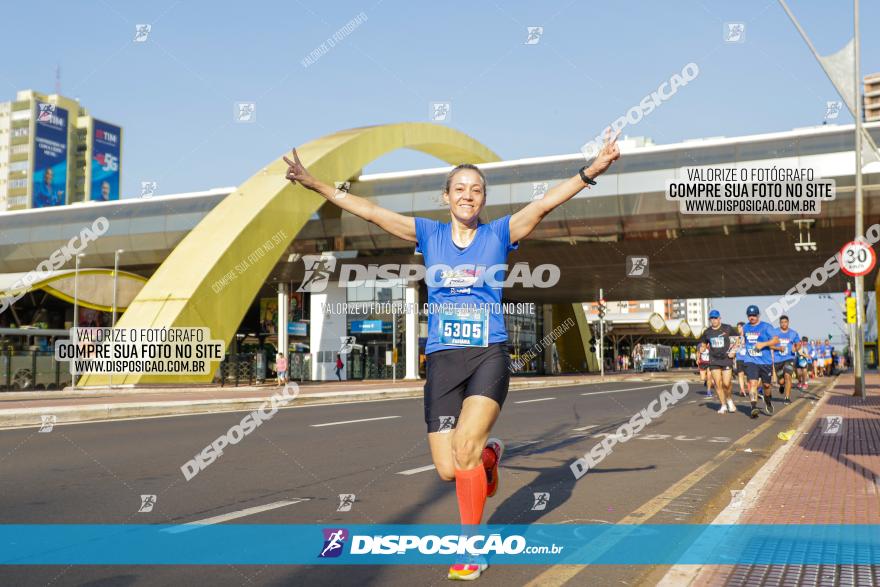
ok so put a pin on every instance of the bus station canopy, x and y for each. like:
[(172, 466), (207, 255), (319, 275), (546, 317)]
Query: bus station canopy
[(94, 287), (650, 325)]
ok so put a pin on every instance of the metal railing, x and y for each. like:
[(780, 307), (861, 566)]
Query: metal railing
[(31, 371)]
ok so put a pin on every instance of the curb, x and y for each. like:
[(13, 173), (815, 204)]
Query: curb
[(32, 417), (686, 575)]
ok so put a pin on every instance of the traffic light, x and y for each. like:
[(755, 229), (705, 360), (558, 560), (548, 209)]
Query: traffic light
[(850, 310), (593, 345), (602, 307), (399, 327)]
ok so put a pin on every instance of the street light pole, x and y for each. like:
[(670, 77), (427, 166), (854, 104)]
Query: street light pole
[(115, 287), (859, 356), (115, 283), (75, 314)]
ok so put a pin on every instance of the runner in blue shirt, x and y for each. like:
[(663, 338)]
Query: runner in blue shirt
[(784, 356), (803, 362), (814, 356), (468, 363), (759, 338), (826, 356)]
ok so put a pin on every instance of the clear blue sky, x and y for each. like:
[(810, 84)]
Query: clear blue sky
[(175, 93)]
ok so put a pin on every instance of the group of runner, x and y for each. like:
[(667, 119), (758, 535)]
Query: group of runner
[(759, 355)]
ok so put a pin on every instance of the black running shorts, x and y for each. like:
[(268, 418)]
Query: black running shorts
[(456, 374), (784, 367), (756, 372), (723, 364)]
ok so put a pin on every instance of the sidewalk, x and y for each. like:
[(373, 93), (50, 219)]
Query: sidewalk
[(828, 473), (22, 409)]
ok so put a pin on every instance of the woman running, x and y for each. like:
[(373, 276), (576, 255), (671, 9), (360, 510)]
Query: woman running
[(468, 363), (740, 360), (703, 366)]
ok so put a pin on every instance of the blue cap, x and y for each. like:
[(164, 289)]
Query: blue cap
[(714, 314), (753, 311)]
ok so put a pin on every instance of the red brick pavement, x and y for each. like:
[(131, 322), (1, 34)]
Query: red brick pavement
[(824, 479)]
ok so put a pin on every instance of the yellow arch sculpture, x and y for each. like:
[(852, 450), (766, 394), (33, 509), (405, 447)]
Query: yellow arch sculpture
[(180, 293)]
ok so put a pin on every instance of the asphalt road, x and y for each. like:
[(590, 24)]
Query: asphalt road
[(307, 457)]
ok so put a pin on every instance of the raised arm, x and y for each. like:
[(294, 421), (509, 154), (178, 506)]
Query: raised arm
[(524, 221), (391, 222)]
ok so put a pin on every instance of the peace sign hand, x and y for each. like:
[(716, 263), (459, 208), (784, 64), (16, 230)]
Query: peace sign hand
[(609, 154), (296, 172)]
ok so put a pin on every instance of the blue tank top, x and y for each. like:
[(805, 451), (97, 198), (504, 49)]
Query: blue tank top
[(469, 276)]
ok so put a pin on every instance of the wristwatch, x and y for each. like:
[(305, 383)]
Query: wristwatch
[(586, 178)]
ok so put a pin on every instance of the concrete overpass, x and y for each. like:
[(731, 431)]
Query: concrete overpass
[(589, 238)]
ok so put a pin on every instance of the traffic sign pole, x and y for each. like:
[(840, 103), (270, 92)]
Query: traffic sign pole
[(859, 358), (857, 259)]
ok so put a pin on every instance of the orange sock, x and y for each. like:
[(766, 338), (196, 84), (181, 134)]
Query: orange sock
[(470, 487)]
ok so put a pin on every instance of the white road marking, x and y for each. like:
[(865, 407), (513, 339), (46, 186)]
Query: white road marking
[(354, 421), (540, 399), (516, 446), (585, 428), (419, 470), (231, 516), (628, 389)]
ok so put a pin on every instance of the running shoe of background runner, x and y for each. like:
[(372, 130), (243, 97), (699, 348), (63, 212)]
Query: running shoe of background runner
[(491, 459), (768, 405)]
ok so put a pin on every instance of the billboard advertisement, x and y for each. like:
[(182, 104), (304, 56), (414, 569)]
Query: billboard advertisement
[(50, 156), (297, 328), (370, 326), (106, 146)]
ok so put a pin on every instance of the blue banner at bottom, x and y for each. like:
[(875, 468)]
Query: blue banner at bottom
[(539, 544)]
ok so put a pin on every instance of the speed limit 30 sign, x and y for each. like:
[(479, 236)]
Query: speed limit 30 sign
[(857, 258)]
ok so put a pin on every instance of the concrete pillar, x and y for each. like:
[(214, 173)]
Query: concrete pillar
[(283, 315), (327, 330), (411, 330), (547, 311)]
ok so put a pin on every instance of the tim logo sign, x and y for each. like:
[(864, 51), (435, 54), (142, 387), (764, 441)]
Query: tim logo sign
[(106, 136), (334, 540)]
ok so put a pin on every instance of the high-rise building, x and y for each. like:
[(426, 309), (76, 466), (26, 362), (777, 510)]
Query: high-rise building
[(5, 126), (872, 97), (52, 153), (697, 315), (694, 310)]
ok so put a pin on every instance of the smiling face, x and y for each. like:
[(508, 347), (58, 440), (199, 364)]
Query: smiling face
[(466, 195)]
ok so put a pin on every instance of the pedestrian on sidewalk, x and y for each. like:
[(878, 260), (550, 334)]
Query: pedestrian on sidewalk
[(339, 367), (281, 369)]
